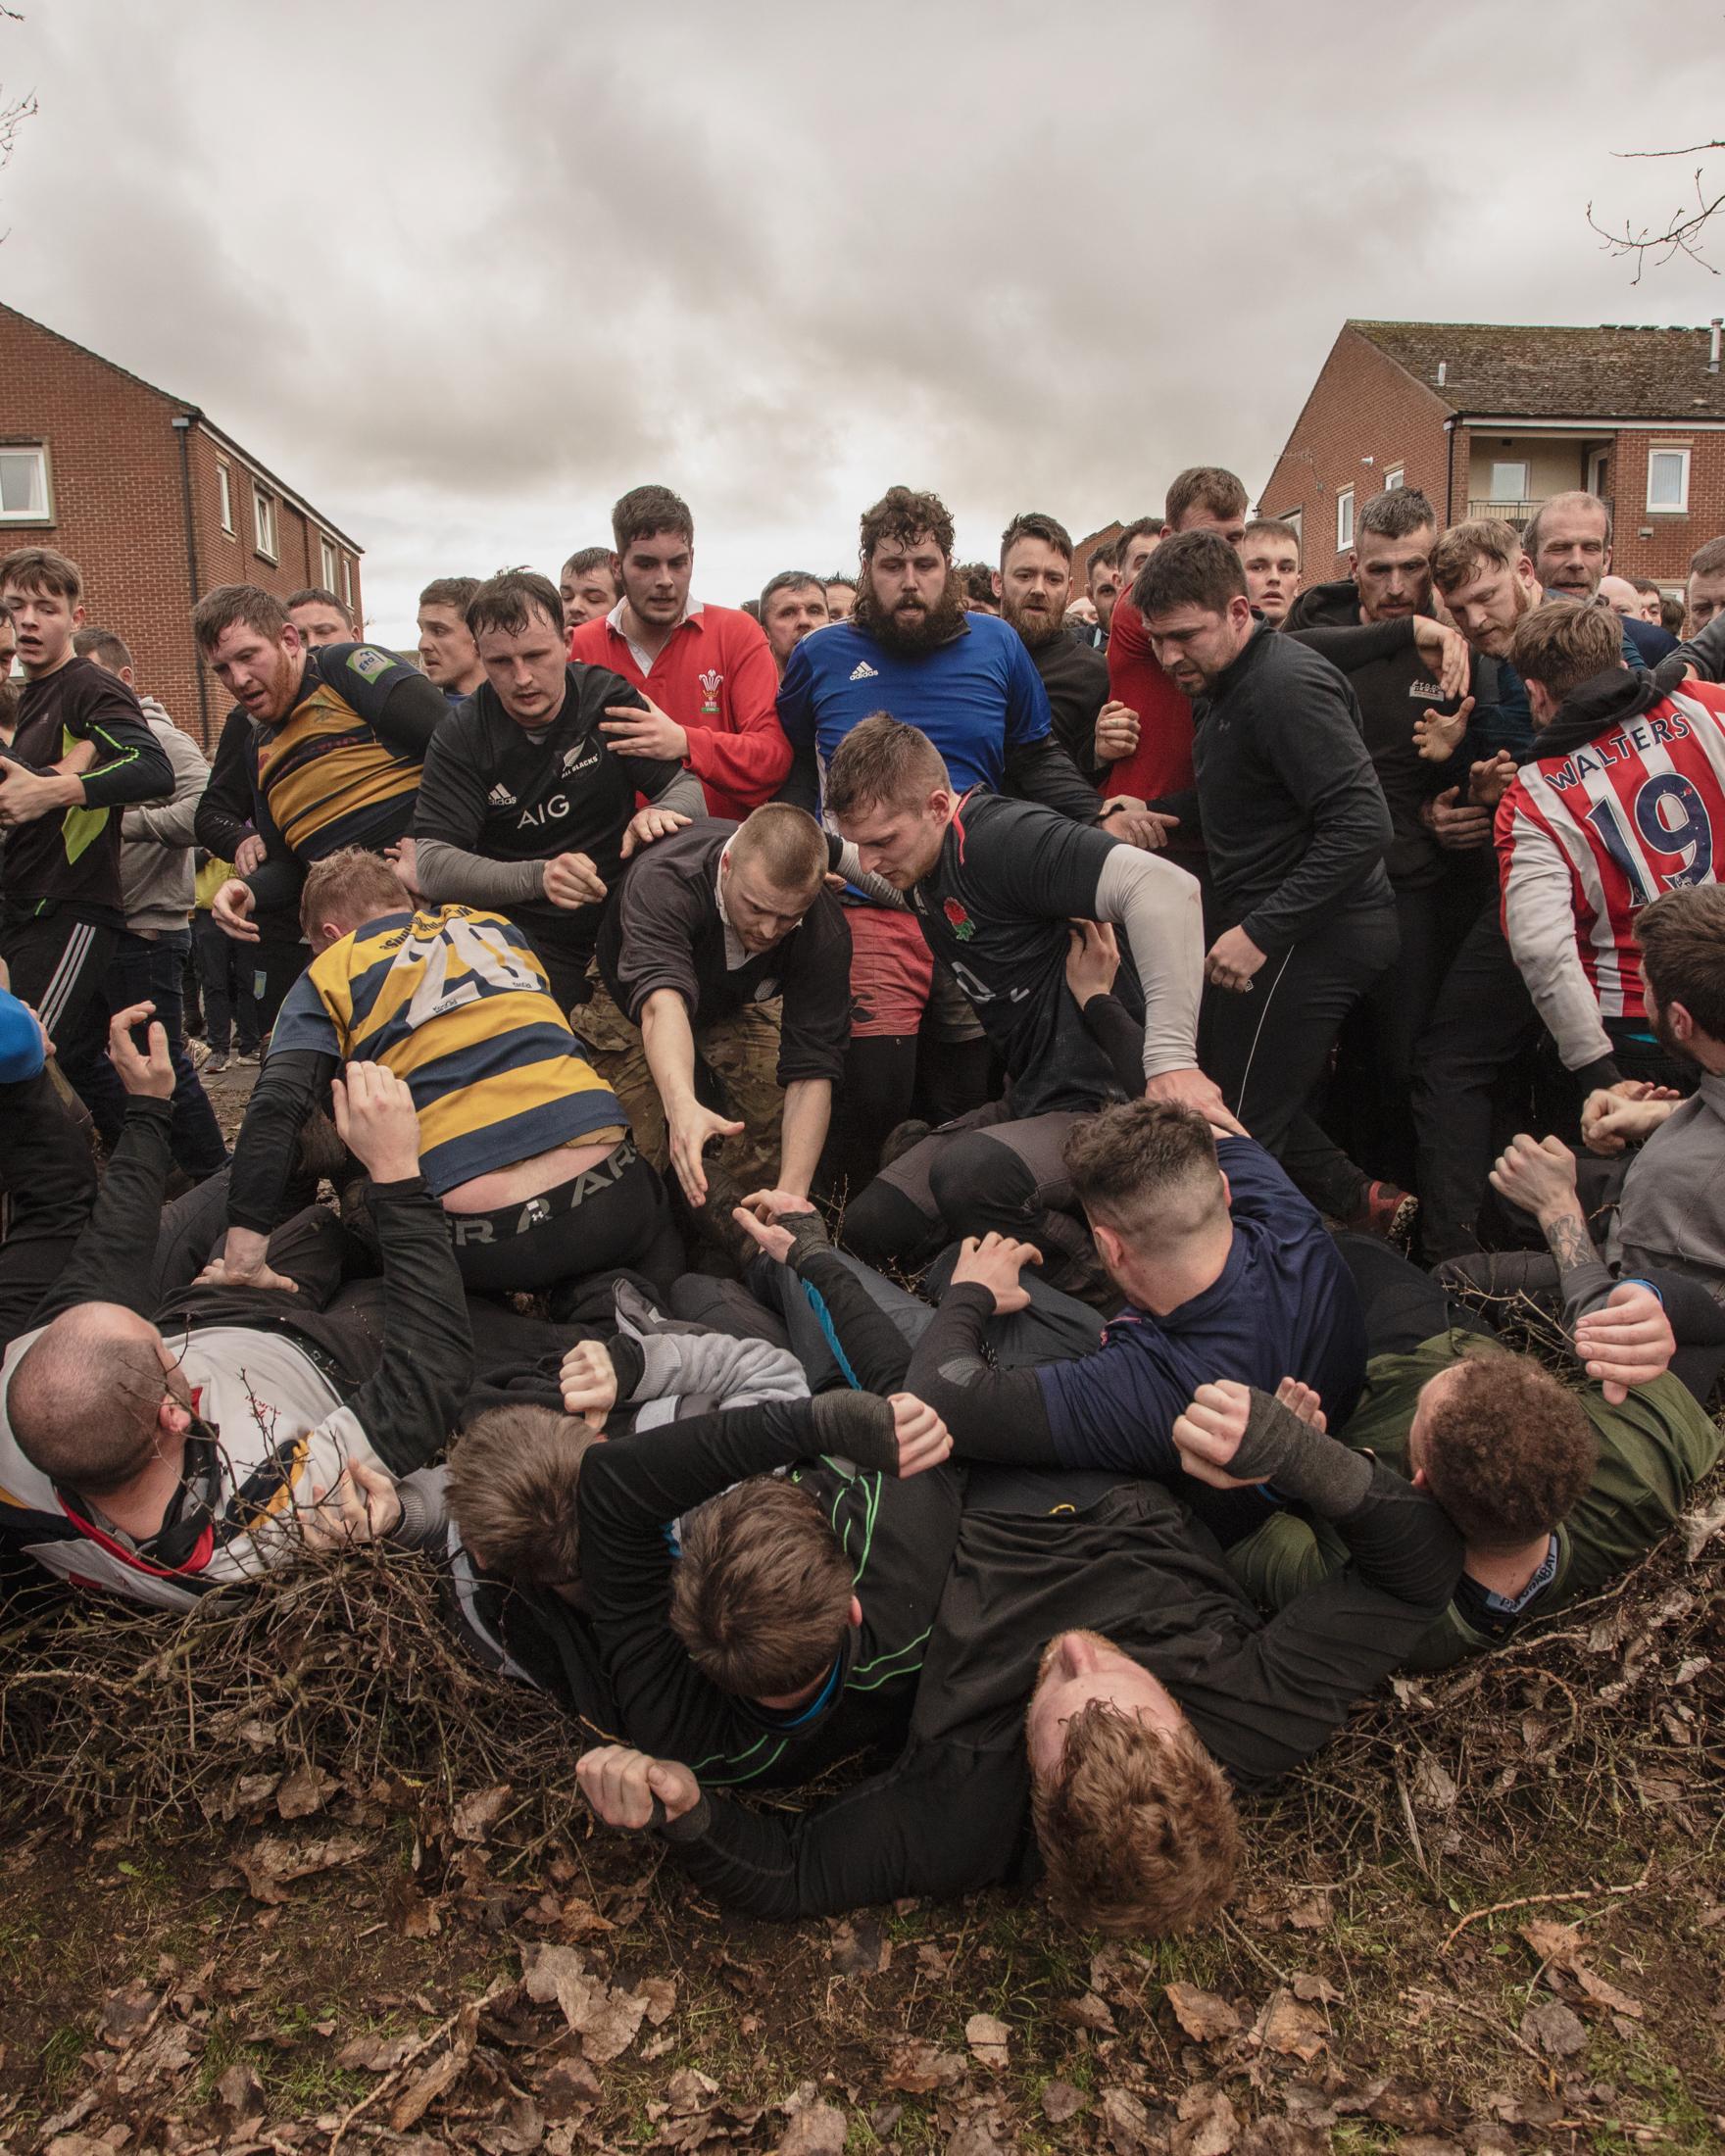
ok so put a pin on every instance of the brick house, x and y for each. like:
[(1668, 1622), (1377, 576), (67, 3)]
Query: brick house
[(154, 502), (1491, 420)]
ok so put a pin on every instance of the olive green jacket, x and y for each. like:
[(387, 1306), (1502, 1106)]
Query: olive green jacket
[(1652, 1452)]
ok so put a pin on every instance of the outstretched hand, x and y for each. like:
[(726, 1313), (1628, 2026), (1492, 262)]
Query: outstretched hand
[(1304, 1404), (621, 1785)]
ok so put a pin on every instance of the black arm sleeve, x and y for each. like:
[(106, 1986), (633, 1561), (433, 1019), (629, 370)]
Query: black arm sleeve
[(1119, 1036), (996, 1415), (1347, 646), (224, 811), (1042, 772), (289, 1086), (408, 1407), (412, 714), (113, 1259), (625, 1493)]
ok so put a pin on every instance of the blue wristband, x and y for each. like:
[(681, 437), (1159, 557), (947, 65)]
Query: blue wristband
[(1636, 1280)]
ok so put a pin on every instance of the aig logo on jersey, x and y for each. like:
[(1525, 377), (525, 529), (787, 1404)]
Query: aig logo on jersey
[(711, 684)]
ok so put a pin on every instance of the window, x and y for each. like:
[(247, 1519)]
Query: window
[(346, 584), (225, 490), (1393, 478), (1295, 517), (1598, 473), (23, 484), (327, 552), (1508, 483), (264, 522), (1668, 480), (1344, 518)]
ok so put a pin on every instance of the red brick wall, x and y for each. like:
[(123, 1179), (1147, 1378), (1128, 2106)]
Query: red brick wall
[(1665, 555), (1361, 405), (116, 507)]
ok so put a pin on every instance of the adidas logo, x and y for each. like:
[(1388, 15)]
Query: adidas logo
[(502, 798), (865, 672)]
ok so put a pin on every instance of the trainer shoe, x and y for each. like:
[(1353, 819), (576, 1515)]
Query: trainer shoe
[(214, 1065), (1388, 1211), (248, 1056)]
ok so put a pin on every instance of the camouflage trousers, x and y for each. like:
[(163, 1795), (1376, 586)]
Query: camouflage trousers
[(736, 1075)]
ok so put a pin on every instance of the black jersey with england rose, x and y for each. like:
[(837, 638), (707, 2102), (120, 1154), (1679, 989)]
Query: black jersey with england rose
[(493, 788), (995, 907)]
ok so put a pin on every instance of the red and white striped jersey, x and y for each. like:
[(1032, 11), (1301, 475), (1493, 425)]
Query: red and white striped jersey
[(1586, 839)]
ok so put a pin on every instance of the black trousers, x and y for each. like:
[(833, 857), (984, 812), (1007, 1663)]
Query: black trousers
[(56, 965), (48, 1178), (1403, 1305), (1269, 1051)]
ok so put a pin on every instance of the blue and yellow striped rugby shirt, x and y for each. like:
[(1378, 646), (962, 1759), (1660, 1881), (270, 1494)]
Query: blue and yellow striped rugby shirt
[(454, 1002)]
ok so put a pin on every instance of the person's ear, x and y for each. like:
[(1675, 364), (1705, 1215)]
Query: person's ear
[(854, 1616), (1680, 1021), (172, 1419), (1108, 1242), (1419, 1481), (1227, 1192), (1354, 564), (994, 577), (291, 640)]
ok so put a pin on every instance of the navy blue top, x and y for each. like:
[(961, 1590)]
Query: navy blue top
[(1285, 1306)]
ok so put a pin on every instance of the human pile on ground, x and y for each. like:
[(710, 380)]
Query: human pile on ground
[(871, 1150)]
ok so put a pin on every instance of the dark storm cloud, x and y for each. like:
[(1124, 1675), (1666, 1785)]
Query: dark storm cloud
[(464, 276)]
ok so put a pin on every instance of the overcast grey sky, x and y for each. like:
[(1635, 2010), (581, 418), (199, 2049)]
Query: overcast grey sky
[(460, 274)]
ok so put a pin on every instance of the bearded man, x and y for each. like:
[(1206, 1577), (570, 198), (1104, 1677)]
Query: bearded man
[(968, 683)]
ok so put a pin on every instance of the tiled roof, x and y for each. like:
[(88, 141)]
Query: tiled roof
[(1549, 372)]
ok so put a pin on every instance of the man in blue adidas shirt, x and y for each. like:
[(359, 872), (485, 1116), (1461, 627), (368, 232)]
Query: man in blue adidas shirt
[(968, 683)]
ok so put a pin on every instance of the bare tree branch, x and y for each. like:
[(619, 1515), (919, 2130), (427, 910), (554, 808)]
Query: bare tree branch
[(13, 116), (1683, 232)]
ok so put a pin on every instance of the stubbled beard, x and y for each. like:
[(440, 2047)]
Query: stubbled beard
[(1034, 629), (938, 626), (1663, 1034)]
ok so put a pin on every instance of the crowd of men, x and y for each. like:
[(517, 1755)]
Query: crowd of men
[(921, 1166)]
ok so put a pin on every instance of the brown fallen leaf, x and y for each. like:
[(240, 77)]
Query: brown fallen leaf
[(542, 1967), (1125, 2121), (661, 1995), (1310, 1915), (917, 2067), (1294, 2031), (126, 2012), (580, 1920), (1554, 1942), (1208, 2124), (691, 2090), (304, 1792), (474, 1816), (376, 2054), (1088, 2012), (818, 2131), (1061, 2101), (1309, 1986), (979, 2135), (988, 2039), (1607, 1994), (441, 2076), (1554, 2028), (239, 2095), (608, 2022), (273, 1863), (568, 2087), (1204, 2017)]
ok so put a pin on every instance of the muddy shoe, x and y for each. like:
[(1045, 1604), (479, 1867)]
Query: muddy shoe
[(214, 1065), (1388, 1211)]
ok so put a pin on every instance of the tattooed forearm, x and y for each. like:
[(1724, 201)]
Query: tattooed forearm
[(1569, 1242)]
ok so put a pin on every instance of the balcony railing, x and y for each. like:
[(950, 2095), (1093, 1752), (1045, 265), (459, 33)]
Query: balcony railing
[(1519, 515)]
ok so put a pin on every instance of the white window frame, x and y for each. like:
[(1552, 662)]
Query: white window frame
[(1599, 472), (1344, 520), (1394, 477), (1295, 517), (347, 584), (1679, 507), (329, 558), (224, 496), (44, 514), (264, 531), (1522, 464)]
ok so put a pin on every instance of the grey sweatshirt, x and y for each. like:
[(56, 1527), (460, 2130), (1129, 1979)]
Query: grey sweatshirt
[(1672, 1210), (156, 873)]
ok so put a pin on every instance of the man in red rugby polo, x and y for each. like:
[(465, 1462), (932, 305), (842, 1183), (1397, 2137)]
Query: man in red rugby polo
[(707, 673)]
